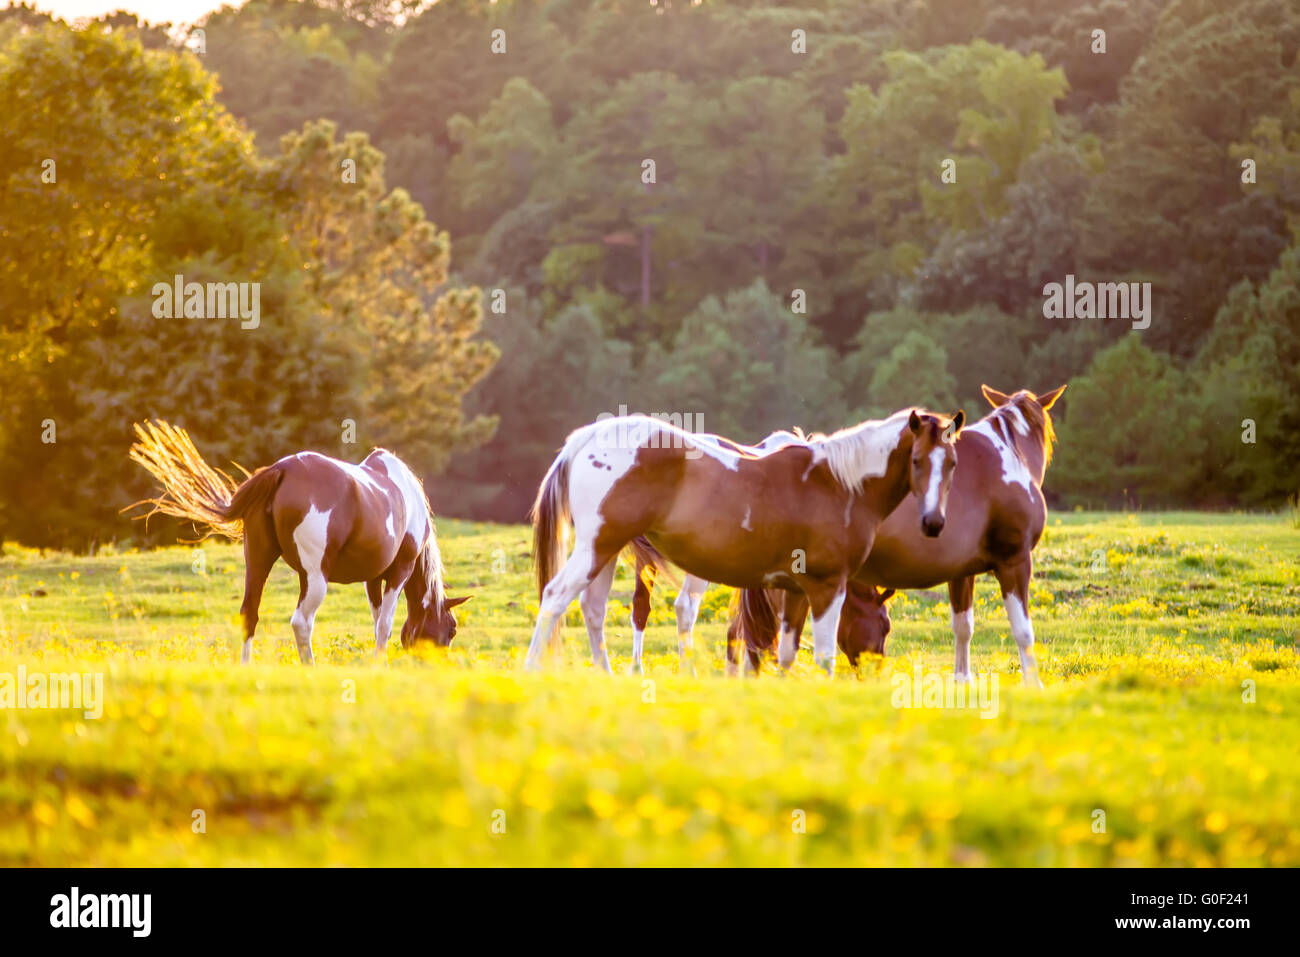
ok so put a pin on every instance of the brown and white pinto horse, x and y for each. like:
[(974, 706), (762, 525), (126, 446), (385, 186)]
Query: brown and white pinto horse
[(801, 517), (330, 521), (756, 615), (996, 515)]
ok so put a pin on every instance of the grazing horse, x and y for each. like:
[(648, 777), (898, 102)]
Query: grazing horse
[(330, 521), (800, 517), (996, 515), (756, 614)]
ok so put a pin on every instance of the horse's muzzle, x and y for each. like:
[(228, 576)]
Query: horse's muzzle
[(931, 526)]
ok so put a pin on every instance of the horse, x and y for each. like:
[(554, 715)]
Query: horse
[(331, 521), (649, 562), (996, 516), (800, 517), (754, 614)]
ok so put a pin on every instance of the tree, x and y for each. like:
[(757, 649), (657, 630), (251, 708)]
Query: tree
[(749, 365), (1132, 432)]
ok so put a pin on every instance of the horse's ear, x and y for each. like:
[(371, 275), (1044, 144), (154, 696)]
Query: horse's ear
[(958, 421), (914, 423), (887, 594), (995, 397), (453, 602), (1048, 399)]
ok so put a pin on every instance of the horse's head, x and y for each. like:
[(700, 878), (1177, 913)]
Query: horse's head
[(433, 623), (864, 621), (933, 460)]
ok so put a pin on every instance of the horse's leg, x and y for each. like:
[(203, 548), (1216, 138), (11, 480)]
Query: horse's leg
[(1014, 579), (382, 593), (687, 607), (558, 594), (826, 599), (733, 659), (640, 615), (314, 556), (260, 553), (592, 603), (793, 616), (961, 595)]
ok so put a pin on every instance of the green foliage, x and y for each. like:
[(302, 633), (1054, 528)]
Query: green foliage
[(1132, 432), (156, 180), (747, 365), (775, 170)]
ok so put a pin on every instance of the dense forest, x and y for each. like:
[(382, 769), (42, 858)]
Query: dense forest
[(760, 214)]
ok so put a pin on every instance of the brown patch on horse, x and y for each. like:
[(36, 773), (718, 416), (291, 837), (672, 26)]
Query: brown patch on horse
[(755, 619)]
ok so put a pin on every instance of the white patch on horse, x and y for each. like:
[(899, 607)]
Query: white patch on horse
[(931, 501), (1018, 419), (745, 524), (1014, 471), (355, 472), (311, 538), (861, 451)]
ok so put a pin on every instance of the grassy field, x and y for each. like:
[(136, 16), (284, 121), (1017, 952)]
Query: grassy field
[(1166, 733)]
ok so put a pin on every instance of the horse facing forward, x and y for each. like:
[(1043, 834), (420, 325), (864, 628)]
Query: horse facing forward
[(996, 515), (330, 521), (801, 517)]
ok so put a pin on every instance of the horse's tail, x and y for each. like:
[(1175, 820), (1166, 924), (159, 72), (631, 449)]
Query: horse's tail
[(192, 489), (551, 517), (650, 562), (754, 618)]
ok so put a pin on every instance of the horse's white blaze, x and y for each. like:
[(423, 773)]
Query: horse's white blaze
[(1014, 471), (931, 501), (310, 538)]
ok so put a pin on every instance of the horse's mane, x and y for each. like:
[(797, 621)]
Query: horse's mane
[(859, 451), (1038, 419)]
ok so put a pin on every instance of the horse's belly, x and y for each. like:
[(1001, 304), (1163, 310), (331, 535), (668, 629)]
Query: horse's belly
[(911, 560), (360, 563)]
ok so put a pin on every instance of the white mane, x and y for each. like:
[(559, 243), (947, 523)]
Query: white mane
[(860, 451)]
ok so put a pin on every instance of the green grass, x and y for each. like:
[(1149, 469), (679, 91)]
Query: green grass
[(1154, 632)]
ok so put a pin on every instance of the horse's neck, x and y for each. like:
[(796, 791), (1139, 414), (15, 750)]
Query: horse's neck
[(424, 583), (889, 490)]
